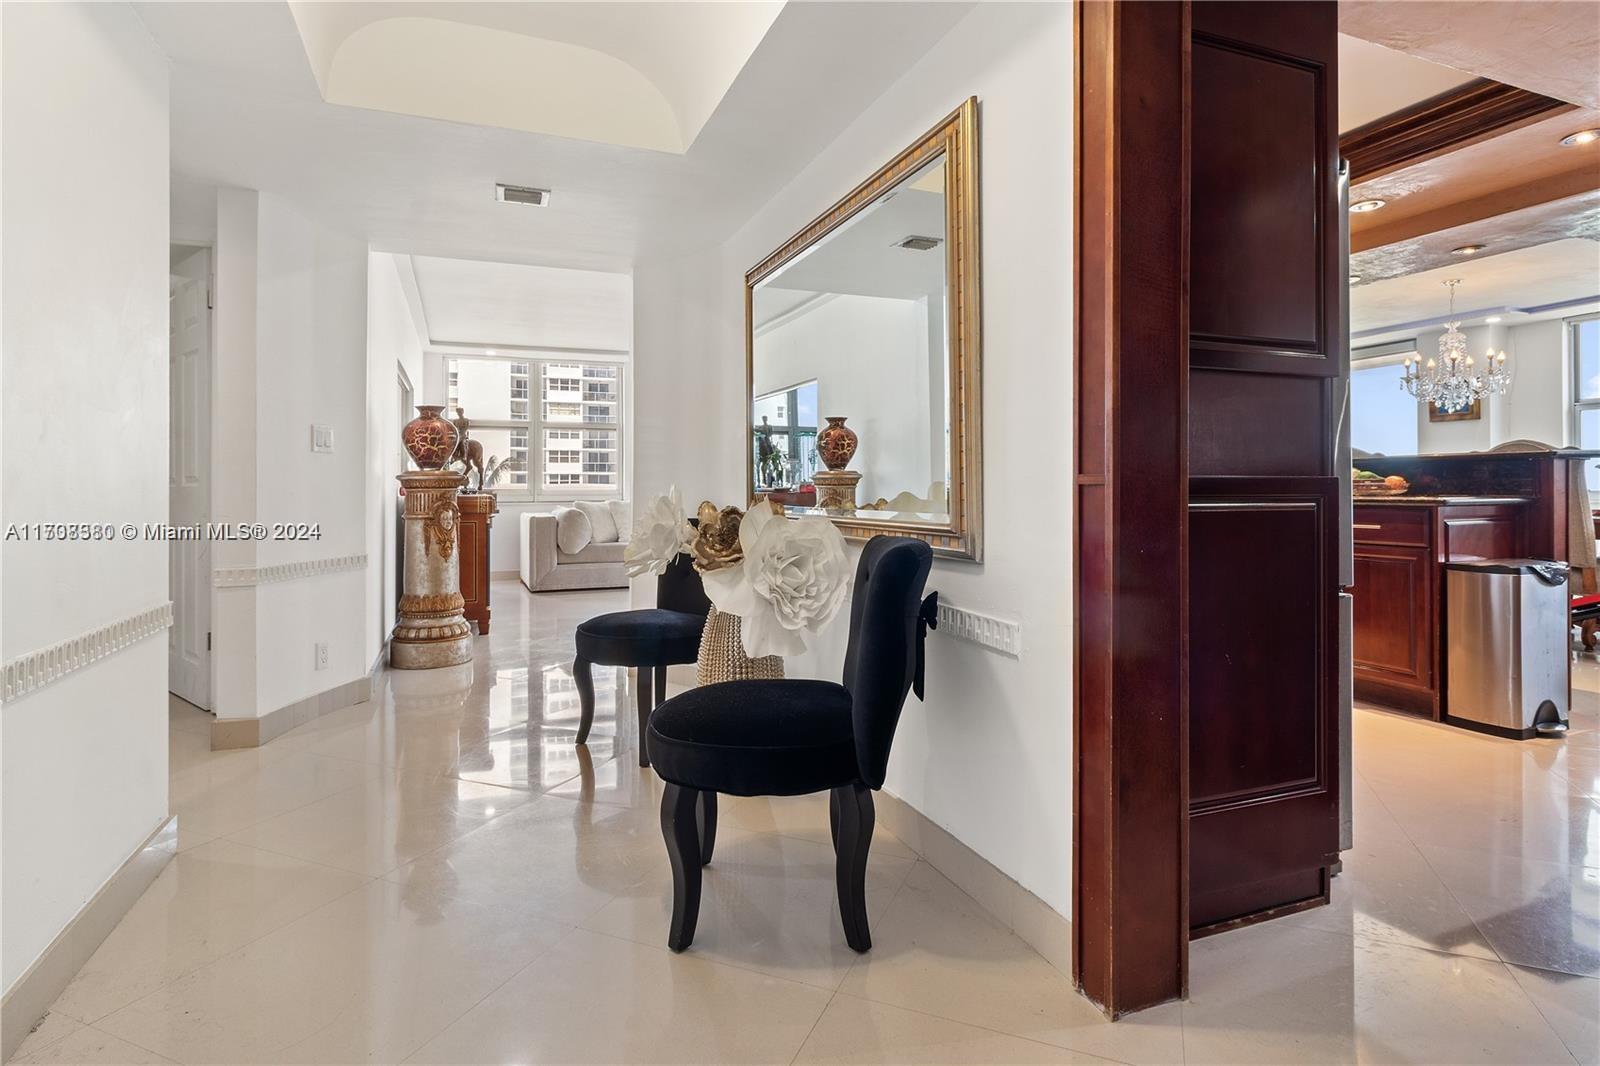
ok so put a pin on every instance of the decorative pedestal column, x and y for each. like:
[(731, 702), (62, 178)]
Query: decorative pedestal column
[(431, 629), (836, 489)]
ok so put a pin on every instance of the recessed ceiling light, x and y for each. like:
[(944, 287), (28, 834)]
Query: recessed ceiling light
[(1355, 279), (1363, 206), (488, 351), (1492, 319), (1581, 137), (1467, 249)]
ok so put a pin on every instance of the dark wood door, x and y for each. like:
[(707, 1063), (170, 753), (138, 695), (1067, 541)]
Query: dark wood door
[(1394, 613), (1265, 352)]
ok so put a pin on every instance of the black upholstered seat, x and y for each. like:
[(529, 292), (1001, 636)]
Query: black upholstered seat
[(650, 640), (791, 737), (756, 738), (651, 637)]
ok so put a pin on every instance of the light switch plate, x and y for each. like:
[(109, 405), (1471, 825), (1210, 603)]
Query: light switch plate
[(321, 438), (990, 632)]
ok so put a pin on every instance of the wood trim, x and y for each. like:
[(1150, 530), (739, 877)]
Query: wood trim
[(1130, 817), (1473, 112)]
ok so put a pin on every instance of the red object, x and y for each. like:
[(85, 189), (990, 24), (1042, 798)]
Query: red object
[(837, 444), (430, 437)]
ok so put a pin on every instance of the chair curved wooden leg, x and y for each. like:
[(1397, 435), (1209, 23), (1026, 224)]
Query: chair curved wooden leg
[(644, 688), (583, 681), (678, 807), (833, 818), (856, 819), (706, 823)]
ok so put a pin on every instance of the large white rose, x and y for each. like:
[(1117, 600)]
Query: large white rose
[(791, 582), (660, 533)]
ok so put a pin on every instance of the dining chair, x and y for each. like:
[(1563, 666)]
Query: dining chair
[(795, 737), (649, 640)]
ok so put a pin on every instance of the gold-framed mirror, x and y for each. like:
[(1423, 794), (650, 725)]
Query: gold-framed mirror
[(864, 326)]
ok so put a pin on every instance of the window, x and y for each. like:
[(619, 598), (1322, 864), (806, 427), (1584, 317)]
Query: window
[(1583, 341), (1383, 416), (576, 425)]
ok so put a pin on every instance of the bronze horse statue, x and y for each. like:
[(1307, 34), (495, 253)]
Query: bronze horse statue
[(468, 452)]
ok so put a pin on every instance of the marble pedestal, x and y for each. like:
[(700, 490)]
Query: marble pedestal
[(836, 489), (431, 629)]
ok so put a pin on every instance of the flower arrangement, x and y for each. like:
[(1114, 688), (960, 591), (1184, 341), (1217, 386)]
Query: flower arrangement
[(784, 579)]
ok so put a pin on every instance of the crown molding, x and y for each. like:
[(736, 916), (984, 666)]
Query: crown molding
[(249, 576), (33, 671)]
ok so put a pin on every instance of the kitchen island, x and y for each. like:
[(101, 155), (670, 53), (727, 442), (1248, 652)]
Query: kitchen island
[(1401, 546)]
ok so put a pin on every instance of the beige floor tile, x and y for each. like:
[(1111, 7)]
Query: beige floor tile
[(1540, 914), (52, 1027), (271, 788), (855, 1030), (801, 817), (183, 715), (936, 951), (768, 903), (1570, 1004), (377, 826), (1388, 891), (1279, 993), (595, 998), (369, 977), (206, 903), (565, 860), (88, 1047)]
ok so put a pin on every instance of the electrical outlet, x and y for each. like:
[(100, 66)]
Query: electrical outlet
[(320, 655)]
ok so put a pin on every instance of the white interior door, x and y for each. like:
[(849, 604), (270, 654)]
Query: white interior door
[(189, 484)]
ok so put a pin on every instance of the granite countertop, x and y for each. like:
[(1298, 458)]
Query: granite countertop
[(1437, 501)]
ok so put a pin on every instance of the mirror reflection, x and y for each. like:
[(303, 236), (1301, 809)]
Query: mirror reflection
[(850, 366)]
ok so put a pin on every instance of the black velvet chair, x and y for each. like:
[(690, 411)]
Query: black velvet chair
[(649, 640), (794, 737)]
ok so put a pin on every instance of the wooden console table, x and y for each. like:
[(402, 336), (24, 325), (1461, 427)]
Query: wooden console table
[(477, 513)]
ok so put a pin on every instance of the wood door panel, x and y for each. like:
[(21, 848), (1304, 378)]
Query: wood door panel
[(1256, 424), (1482, 536), (1263, 727), (1392, 610)]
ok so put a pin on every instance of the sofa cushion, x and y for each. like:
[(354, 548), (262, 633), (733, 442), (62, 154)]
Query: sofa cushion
[(756, 738), (595, 552), (622, 515), (600, 521), (573, 531), (651, 637)]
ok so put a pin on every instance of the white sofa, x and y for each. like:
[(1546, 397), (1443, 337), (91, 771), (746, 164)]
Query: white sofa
[(546, 568)]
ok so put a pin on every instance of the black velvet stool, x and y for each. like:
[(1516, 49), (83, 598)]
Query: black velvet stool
[(649, 640), (794, 737)]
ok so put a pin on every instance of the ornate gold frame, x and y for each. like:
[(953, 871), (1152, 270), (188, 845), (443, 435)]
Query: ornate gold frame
[(956, 136)]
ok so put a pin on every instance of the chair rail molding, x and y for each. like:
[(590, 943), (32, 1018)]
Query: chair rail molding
[(238, 577), (33, 671)]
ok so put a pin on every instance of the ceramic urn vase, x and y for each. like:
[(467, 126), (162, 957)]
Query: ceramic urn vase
[(431, 438), (836, 445)]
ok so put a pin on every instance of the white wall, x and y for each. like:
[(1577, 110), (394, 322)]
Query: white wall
[(83, 762), (303, 363), (989, 756), (869, 356), (1535, 408), (392, 343)]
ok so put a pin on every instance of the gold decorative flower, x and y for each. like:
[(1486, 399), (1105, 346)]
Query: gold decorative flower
[(716, 543)]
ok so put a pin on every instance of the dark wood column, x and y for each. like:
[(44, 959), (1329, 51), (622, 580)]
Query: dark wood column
[(1130, 911)]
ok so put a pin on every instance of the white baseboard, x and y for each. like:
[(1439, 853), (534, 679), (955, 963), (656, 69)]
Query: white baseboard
[(29, 999), (254, 732), (1029, 917)]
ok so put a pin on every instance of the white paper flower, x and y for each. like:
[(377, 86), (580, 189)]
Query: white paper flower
[(791, 583), (659, 535)]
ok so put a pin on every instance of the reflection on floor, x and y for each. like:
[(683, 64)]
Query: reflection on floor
[(441, 876)]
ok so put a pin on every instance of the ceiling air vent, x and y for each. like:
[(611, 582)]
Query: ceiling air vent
[(919, 244), (521, 194)]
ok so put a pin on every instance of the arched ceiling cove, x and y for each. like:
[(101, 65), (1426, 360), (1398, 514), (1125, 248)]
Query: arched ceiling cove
[(642, 75)]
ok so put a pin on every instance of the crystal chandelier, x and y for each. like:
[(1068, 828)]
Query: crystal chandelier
[(1452, 382)]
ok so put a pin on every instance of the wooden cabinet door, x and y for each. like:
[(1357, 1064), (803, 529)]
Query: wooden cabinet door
[(1265, 354), (1394, 613)]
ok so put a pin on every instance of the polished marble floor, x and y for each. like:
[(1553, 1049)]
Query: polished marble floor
[(441, 876)]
